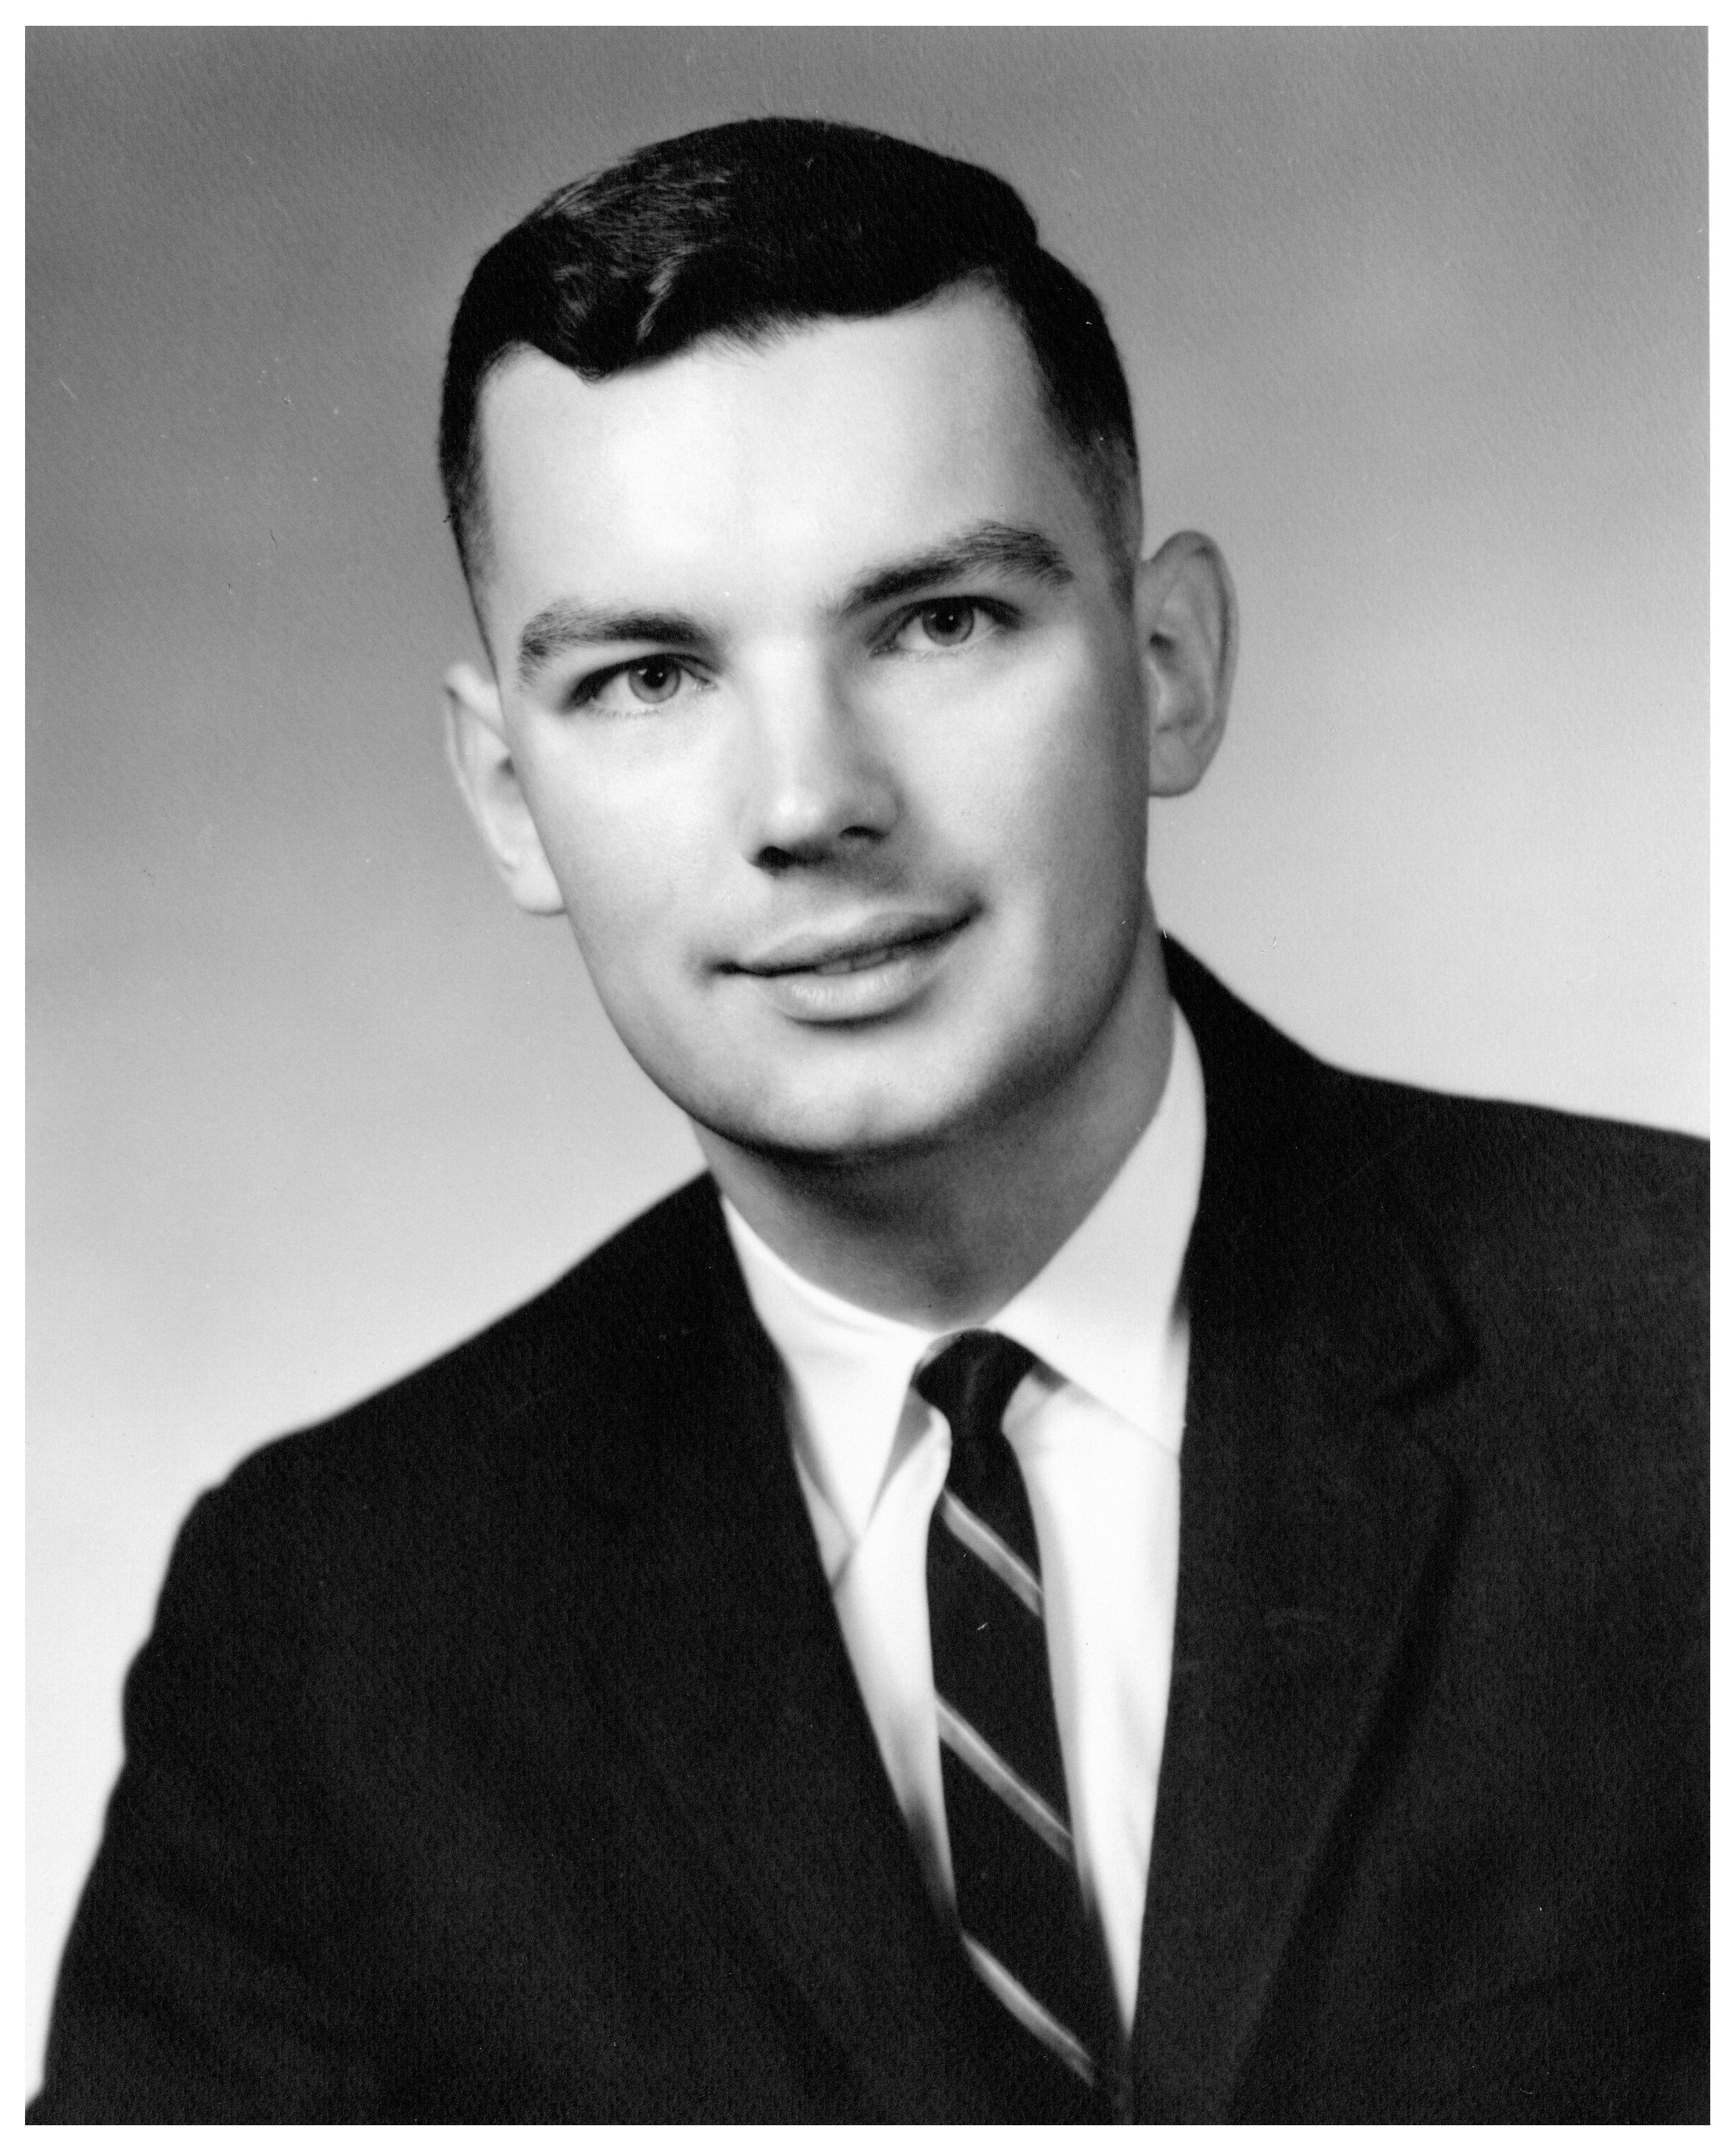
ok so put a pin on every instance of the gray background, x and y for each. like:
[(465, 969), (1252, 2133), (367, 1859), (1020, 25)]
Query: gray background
[(1416, 327)]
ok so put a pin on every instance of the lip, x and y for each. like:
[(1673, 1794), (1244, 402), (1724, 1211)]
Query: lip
[(847, 948), (851, 975)]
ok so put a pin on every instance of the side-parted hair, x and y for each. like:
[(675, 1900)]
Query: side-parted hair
[(740, 230)]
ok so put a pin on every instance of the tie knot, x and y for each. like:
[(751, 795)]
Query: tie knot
[(972, 1380)]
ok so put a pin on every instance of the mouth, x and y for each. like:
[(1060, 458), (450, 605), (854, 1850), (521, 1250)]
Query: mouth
[(855, 974), (833, 955)]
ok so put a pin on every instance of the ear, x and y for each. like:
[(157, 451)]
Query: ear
[(1184, 606), (477, 749)]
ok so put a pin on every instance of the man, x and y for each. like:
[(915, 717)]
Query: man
[(1094, 1567)]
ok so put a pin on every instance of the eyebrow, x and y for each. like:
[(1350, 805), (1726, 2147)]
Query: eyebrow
[(1005, 549), (566, 624)]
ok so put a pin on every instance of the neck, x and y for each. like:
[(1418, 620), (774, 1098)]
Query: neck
[(942, 1238)]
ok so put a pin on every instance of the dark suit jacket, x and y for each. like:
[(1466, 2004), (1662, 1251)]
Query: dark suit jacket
[(496, 1756)]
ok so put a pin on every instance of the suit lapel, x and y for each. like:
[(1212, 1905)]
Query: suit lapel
[(725, 1659), (1310, 1518)]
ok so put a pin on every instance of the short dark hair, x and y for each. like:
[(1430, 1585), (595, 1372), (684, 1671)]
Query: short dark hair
[(740, 230)]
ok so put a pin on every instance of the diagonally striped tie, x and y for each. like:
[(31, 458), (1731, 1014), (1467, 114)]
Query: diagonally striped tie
[(1006, 1801)]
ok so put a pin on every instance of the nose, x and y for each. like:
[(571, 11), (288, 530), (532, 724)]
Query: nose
[(817, 785)]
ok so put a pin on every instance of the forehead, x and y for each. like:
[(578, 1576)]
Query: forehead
[(786, 466)]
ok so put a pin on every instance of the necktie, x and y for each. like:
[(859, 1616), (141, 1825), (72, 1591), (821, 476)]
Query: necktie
[(1017, 1888)]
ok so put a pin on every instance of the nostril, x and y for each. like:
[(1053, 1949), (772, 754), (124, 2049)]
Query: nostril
[(779, 859)]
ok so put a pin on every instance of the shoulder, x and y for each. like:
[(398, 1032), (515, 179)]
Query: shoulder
[(506, 1421), (1555, 1218), (1560, 1262), (1487, 1173), (1575, 1252), (1572, 1254), (1493, 1182), (436, 1548)]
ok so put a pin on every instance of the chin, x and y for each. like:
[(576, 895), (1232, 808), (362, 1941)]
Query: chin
[(840, 1132)]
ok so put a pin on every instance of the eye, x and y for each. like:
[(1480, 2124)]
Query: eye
[(647, 683), (652, 679), (946, 623)]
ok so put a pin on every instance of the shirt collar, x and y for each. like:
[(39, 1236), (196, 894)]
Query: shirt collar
[(1098, 1313), (849, 1373)]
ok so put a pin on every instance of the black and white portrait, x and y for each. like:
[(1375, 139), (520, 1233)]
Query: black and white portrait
[(1013, 725)]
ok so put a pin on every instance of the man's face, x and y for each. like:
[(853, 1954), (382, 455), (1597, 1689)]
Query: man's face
[(825, 696)]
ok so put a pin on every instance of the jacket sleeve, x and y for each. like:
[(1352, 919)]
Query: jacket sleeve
[(196, 1984)]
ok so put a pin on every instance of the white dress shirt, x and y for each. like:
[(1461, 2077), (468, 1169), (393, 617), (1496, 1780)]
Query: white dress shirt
[(1096, 1428)]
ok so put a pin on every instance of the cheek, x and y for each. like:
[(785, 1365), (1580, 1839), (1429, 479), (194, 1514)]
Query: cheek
[(1069, 789), (619, 858)]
